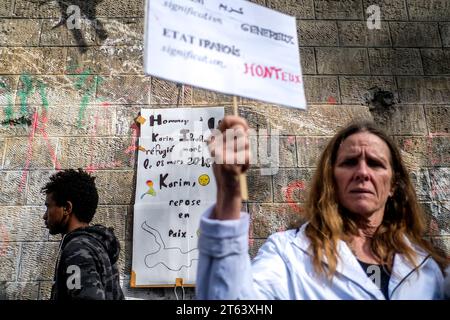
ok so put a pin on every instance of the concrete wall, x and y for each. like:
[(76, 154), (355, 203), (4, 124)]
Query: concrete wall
[(68, 100)]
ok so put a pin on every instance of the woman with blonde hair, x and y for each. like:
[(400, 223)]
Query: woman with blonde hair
[(363, 238)]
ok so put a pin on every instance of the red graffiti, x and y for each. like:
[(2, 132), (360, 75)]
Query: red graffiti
[(430, 148), (331, 100), (435, 191), (43, 130), (436, 161), (91, 168), (41, 125), (29, 151), (407, 144), (433, 227), (293, 186), (105, 104), (133, 147)]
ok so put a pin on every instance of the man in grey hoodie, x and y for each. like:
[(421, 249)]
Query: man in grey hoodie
[(86, 268)]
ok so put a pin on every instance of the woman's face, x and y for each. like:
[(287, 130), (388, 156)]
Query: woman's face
[(363, 174)]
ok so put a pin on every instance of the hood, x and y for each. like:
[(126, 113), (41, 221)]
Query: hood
[(103, 234)]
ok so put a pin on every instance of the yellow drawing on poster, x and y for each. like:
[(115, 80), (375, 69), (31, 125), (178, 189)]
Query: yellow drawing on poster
[(203, 180)]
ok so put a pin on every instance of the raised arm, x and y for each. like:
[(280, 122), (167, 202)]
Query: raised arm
[(230, 149), (224, 270), (223, 238)]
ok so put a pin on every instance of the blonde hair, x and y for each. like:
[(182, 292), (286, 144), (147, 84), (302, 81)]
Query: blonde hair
[(329, 223)]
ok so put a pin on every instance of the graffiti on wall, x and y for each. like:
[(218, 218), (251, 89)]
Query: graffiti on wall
[(86, 84)]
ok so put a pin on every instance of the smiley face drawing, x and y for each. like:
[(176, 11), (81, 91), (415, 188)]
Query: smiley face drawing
[(203, 180)]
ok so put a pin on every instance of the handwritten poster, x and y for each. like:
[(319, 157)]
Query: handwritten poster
[(231, 46), (175, 184)]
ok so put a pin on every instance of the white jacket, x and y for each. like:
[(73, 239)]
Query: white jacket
[(283, 269), (447, 284)]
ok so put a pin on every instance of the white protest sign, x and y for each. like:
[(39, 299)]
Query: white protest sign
[(175, 184), (235, 47)]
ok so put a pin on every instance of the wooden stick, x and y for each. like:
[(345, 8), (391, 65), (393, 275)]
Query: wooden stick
[(242, 177)]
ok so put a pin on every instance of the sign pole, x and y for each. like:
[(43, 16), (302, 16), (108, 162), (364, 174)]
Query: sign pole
[(243, 176)]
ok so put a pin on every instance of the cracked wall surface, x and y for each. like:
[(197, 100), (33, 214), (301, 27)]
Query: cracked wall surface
[(68, 99)]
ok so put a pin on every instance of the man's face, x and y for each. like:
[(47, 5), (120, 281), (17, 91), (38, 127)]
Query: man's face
[(54, 216)]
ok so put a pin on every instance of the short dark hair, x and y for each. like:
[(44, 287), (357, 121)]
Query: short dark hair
[(79, 188)]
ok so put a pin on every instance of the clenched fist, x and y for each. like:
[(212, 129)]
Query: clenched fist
[(230, 150)]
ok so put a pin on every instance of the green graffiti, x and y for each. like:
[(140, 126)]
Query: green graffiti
[(9, 111), (98, 80), (24, 121), (25, 92), (82, 79), (43, 94), (85, 83), (71, 68), (89, 92)]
